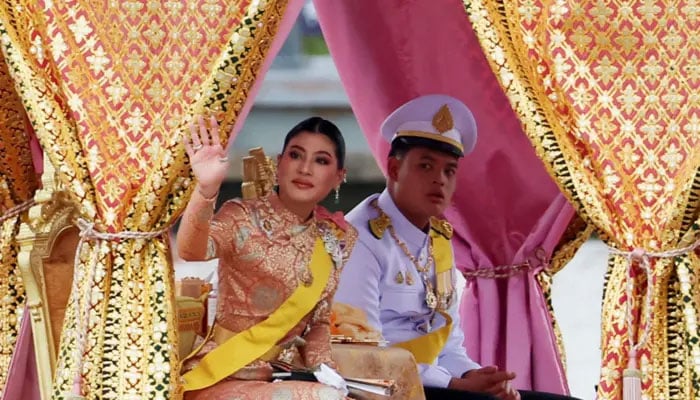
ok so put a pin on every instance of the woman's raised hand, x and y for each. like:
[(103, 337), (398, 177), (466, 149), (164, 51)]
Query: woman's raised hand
[(207, 157)]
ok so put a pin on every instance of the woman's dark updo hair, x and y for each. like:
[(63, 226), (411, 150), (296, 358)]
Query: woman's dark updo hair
[(323, 127)]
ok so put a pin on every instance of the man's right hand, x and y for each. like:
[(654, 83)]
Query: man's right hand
[(487, 380)]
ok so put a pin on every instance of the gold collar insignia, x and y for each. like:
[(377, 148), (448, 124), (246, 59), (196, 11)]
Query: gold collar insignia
[(378, 225), (442, 227)]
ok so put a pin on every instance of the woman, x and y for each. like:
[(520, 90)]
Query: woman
[(279, 261)]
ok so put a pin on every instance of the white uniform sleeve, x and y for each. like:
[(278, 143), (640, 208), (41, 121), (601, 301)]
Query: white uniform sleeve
[(359, 283)]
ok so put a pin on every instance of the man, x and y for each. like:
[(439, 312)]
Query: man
[(401, 271)]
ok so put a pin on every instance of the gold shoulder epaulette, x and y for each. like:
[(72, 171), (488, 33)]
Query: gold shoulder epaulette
[(379, 224), (442, 227)]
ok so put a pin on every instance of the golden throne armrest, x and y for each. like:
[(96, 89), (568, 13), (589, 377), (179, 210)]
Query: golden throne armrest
[(48, 243), (192, 306)]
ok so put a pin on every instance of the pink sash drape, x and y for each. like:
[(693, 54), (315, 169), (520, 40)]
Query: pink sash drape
[(506, 206), (22, 379)]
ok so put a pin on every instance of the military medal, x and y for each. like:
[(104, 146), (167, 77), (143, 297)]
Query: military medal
[(399, 278), (431, 298), (409, 278)]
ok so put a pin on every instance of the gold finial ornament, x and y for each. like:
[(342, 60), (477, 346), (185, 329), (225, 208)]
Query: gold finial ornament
[(250, 169), (248, 189), (442, 121), (258, 174)]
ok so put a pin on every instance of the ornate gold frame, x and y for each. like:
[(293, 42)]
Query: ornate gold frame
[(50, 220)]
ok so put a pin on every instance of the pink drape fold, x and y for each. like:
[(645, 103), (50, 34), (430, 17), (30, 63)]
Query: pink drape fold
[(37, 152), (508, 323), (506, 205), (22, 379), (291, 14)]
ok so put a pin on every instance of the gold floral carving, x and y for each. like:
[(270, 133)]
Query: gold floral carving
[(17, 184)]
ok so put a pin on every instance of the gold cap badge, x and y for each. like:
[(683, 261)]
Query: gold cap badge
[(442, 121)]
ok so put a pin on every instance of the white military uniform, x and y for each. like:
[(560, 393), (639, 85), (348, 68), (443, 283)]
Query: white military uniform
[(379, 277), (381, 280)]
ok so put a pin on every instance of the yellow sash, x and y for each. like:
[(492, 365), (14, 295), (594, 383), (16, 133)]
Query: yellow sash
[(427, 348), (251, 344)]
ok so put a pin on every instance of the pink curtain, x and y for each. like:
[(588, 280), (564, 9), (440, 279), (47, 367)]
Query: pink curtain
[(22, 379), (506, 207)]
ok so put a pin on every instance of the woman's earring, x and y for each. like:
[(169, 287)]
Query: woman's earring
[(337, 194)]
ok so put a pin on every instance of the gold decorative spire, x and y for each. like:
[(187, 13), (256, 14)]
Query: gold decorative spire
[(259, 173), (442, 121)]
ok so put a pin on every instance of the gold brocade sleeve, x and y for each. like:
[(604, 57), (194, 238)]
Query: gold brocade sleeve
[(224, 229), (318, 338)]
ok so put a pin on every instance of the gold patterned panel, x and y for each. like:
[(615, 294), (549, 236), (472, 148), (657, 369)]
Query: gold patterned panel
[(607, 93), (109, 88), (361, 361), (12, 290), (48, 243), (17, 185), (18, 180), (58, 277)]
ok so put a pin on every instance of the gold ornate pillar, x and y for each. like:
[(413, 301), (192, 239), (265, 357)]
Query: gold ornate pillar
[(47, 245)]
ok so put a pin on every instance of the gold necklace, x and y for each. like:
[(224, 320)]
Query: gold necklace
[(430, 295), (270, 219), (303, 270)]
